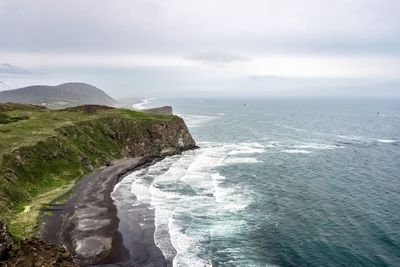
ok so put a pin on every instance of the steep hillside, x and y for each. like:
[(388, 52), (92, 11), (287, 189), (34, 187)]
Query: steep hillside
[(43, 152), (60, 96)]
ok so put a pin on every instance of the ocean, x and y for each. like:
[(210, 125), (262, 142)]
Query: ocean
[(276, 182)]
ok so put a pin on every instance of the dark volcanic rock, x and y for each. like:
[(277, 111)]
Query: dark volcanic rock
[(5, 242), (34, 252), (31, 252)]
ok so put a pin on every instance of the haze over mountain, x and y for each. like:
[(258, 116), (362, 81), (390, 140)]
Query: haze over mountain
[(60, 96)]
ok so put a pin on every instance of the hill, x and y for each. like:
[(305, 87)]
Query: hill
[(60, 96)]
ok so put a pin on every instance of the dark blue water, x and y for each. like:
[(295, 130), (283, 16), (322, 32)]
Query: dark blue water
[(280, 182)]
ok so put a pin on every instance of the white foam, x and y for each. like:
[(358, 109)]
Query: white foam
[(193, 121), (188, 247), (225, 228), (140, 189), (356, 138), (184, 186), (273, 143), (317, 146), (388, 141), (238, 160), (234, 148), (166, 201), (253, 144), (270, 146), (368, 139), (140, 183), (197, 169), (247, 151), (235, 206), (230, 198), (296, 151), (292, 128), (219, 192)]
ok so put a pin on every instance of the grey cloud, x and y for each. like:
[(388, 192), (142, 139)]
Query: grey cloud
[(181, 28), (215, 33), (217, 58), (263, 77)]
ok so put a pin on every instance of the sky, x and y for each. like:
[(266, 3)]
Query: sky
[(173, 48)]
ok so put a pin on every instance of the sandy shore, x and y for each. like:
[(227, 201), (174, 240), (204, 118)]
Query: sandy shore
[(87, 224)]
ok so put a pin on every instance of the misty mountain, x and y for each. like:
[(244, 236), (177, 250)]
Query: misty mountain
[(60, 96)]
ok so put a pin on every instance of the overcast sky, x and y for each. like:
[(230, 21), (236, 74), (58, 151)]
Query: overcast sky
[(162, 48)]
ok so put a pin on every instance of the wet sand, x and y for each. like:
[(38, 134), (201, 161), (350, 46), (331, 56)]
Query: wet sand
[(87, 224)]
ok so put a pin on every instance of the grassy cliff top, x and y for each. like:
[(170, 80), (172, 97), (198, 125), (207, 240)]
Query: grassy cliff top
[(43, 152), (22, 125)]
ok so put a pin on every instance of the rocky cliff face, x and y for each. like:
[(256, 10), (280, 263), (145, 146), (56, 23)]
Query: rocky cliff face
[(165, 110), (79, 148), (70, 152), (32, 252), (160, 139), (5, 242)]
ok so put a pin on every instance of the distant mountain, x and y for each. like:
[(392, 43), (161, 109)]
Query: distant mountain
[(60, 96)]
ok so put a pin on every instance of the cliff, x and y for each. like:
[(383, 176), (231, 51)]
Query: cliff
[(165, 110), (31, 252), (44, 152)]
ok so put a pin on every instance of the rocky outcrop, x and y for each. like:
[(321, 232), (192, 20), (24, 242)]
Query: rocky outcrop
[(31, 252), (165, 110), (5, 242), (36, 253), (160, 139)]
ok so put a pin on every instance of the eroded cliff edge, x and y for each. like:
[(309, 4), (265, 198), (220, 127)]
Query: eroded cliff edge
[(43, 153), (32, 252)]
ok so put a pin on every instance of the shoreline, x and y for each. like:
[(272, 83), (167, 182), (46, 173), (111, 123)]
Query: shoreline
[(87, 222)]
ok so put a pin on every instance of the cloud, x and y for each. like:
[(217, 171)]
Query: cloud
[(262, 77), (314, 26), (217, 58), (179, 44), (6, 68)]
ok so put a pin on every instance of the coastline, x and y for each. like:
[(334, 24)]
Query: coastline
[(87, 222)]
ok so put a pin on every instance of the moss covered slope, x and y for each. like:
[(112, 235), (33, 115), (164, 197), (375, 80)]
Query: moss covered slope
[(44, 151)]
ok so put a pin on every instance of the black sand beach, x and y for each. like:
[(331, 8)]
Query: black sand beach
[(87, 224)]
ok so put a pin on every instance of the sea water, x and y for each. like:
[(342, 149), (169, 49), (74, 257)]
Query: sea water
[(278, 182)]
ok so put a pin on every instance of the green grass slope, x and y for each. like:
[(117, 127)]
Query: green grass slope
[(43, 152)]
